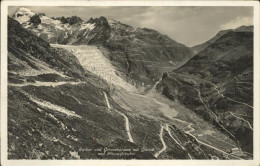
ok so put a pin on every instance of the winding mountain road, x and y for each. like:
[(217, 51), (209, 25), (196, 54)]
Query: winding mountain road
[(177, 142), (216, 117), (216, 87), (108, 105), (233, 114), (187, 132), (191, 129), (51, 106), (189, 125), (163, 143), (79, 102), (203, 143), (127, 126), (39, 83), (242, 120), (212, 147)]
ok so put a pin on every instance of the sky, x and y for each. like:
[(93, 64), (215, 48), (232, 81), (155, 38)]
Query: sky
[(184, 24)]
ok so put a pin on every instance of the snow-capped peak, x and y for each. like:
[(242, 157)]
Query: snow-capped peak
[(111, 22), (118, 25), (23, 15), (23, 9), (87, 26)]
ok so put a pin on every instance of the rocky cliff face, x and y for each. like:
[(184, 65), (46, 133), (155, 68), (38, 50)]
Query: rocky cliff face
[(217, 84)]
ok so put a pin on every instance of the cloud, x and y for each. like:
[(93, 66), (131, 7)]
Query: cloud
[(237, 22)]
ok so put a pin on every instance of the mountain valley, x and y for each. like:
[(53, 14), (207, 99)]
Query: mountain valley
[(102, 89)]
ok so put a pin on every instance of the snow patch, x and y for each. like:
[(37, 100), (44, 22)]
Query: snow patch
[(66, 35), (23, 15), (46, 19), (72, 138), (111, 22), (22, 19), (86, 31), (59, 27), (56, 22), (23, 9), (51, 106), (67, 26), (39, 27), (87, 26)]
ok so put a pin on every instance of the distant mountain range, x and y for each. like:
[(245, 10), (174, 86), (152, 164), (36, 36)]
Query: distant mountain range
[(135, 52)]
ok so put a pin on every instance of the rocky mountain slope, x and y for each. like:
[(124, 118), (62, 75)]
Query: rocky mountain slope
[(60, 109), (217, 84), (141, 54), (89, 90)]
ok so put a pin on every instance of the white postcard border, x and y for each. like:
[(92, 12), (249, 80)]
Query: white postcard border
[(4, 13)]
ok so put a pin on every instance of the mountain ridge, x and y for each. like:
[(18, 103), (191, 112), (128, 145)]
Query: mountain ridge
[(216, 78), (204, 45), (134, 51)]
